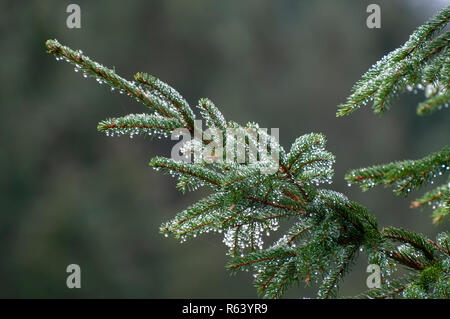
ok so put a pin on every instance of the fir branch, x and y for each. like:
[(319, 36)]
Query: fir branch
[(307, 157), (297, 184), (393, 72), (90, 68), (443, 249), (422, 62), (278, 205), (297, 234), (259, 257), (349, 213), (277, 269), (389, 290), (208, 204), (245, 176), (195, 170), (330, 282), (138, 124), (439, 198), (432, 282), (211, 114), (403, 175), (406, 260), (434, 103), (438, 71), (286, 275), (434, 46), (417, 241), (327, 229), (170, 94)]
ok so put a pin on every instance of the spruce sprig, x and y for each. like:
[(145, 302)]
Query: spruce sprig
[(439, 198), (423, 62), (403, 176), (327, 231), (406, 68)]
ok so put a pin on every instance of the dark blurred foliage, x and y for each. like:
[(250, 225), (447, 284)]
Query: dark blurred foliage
[(71, 195)]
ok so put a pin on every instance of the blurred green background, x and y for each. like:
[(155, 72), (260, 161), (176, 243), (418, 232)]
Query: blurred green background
[(69, 194)]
